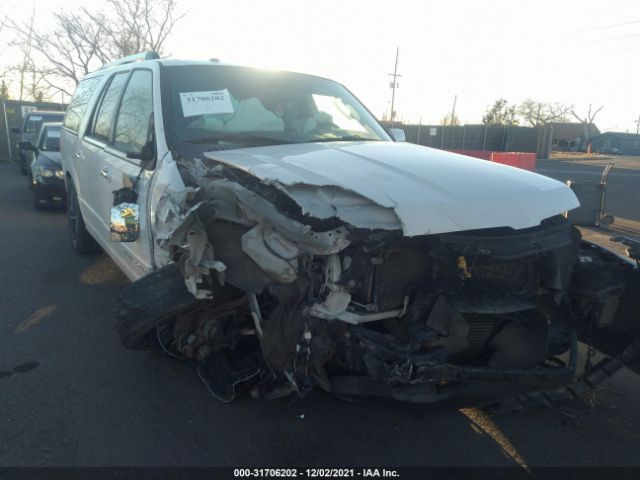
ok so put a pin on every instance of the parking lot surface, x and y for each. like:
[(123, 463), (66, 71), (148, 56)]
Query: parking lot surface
[(70, 395), (623, 185)]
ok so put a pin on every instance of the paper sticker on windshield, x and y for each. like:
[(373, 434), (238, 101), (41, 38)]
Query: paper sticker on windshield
[(34, 118), (203, 103)]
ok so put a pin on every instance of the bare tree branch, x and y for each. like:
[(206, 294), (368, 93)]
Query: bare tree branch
[(587, 121), (538, 113), (81, 41)]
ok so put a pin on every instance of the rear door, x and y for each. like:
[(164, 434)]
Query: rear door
[(73, 158)]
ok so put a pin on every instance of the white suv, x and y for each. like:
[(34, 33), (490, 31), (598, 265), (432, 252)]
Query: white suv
[(276, 233)]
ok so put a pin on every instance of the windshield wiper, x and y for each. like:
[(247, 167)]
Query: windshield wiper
[(346, 138)]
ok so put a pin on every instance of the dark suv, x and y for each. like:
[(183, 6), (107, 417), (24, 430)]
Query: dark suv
[(29, 130)]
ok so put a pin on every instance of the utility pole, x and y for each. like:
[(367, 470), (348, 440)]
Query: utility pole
[(6, 128), (394, 85), (453, 110), (638, 127)]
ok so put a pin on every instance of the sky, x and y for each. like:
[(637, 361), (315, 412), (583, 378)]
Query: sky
[(576, 52)]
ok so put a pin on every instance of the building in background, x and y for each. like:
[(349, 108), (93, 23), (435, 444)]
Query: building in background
[(617, 143), (571, 137)]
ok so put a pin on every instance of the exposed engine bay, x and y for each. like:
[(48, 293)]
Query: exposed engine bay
[(288, 301)]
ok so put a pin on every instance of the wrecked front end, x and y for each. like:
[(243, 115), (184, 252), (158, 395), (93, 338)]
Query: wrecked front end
[(288, 301)]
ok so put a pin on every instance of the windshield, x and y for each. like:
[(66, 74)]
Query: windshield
[(50, 139), (34, 121), (224, 107)]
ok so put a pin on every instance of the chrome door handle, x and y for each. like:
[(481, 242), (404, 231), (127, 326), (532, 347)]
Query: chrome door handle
[(106, 172)]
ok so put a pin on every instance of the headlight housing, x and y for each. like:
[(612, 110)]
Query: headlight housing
[(50, 172)]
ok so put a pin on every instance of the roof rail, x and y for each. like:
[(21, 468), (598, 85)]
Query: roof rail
[(137, 57)]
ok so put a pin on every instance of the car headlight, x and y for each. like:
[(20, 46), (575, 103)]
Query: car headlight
[(50, 172)]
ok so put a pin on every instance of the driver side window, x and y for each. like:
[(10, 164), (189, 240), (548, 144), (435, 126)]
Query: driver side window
[(334, 111), (103, 119), (134, 123)]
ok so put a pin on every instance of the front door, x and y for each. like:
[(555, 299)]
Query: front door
[(130, 162), (95, 178), (121, 126)]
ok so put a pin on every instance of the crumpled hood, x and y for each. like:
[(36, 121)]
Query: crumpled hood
[(429, 191)]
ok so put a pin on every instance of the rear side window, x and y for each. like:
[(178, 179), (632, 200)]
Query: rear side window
[(102, 124), (79, 102), (35, 121), (50, 141), (136, 109)]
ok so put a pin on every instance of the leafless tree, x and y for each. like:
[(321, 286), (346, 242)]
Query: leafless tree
[(26, 63), (539, 113), (30, 81), (70, 51), (141, 25), (80, 42), (587, 121), (23, 73)]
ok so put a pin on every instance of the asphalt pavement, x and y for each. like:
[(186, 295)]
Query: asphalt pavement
[(623, 184), (71, 395)]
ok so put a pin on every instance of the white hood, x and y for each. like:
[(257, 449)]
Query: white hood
[(423, 190)]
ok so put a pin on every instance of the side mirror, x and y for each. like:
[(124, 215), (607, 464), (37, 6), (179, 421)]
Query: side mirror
[(26, 145), (397, 134), (15, 129), (125, 222)]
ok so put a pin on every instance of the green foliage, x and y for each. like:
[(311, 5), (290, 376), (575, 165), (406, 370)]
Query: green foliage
[(4, 90), (500, 114)]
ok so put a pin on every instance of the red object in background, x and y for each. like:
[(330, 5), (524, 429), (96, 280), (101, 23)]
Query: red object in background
[(526, 161), (484, 155)]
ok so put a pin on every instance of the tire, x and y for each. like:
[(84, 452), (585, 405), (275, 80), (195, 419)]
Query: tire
[(153, 300), (81, 240)]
